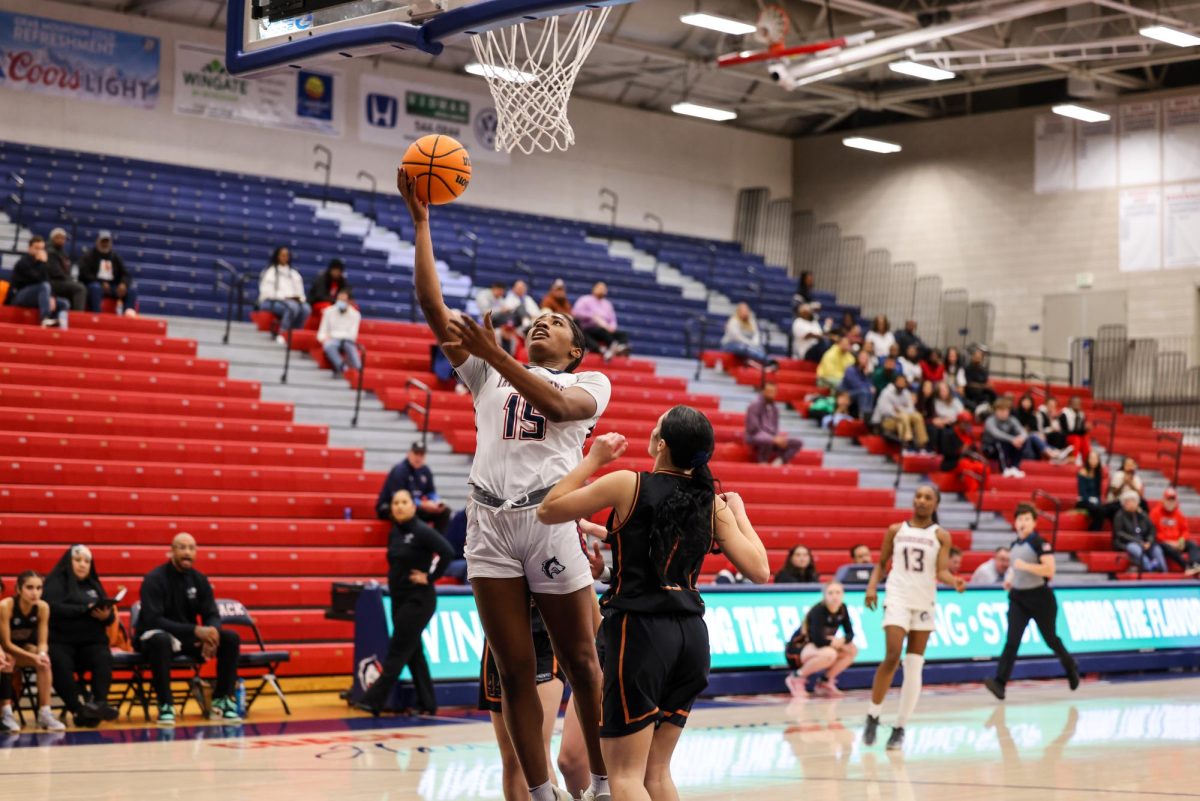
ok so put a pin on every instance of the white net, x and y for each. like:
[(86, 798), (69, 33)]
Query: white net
[(531, 68)]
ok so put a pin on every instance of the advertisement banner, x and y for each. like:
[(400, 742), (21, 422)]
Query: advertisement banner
[(51, 57), (304, 100), (749, 629), (396, 113)]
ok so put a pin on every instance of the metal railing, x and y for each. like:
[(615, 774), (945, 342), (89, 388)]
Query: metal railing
[(237, 283), (611, 201), (424, 411), (1057, 504), (981, 476), (1175, 454), (327, 166), (693, 344), (18, 201), (472, 253), (527, 271), (1046, 375), (363, 175), (287, 353), (654, 218), (362, 371)]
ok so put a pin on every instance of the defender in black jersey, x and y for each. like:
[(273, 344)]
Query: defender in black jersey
[(662, 525)]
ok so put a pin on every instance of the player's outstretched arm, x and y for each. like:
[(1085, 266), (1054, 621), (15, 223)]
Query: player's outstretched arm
[(425, 277), (571, 500), (738, 539)]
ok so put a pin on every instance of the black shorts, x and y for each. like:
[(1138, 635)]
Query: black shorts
[(548, 669), (655, 667)]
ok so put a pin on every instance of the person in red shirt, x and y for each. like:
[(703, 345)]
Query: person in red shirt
[(1173, 534), (932, 368)]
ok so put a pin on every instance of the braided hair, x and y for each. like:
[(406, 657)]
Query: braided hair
[(681, 520)]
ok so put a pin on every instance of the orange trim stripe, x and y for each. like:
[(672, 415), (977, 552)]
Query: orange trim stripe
[(614, 544), (621, 678), (484, 677)]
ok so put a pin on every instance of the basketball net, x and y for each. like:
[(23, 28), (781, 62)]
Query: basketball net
[(531, 68)]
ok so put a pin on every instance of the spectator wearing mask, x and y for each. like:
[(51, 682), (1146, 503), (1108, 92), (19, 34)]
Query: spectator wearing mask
[(941, 420), (799, 567), (598, 319), (1171, 529), (31, 285), (80, 614), (103, 272), (896, 414), (857, 382), (956, 376), (993, 570), (62, 284), (859, 570), (880, 336), (338, 332), (763, 432), (1076, 427), (743, 339), (25, 639), (281, 292), (1006, 440), (556, 300), (932, 368), (835, 363), (414, 477), (1125, 479), (1134, 534), (978, 391), (412, 547), (910, 365), (326, 287), (520, 307), (908, 336), (179, 616), (817, 647), (1049, 427), (1089, 480), (808, 338)]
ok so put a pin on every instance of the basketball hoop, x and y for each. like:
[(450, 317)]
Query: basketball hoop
[(531, 68)]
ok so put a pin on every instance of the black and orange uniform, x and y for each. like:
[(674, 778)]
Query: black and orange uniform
[(548, 669), (654, 636), (820, 626)]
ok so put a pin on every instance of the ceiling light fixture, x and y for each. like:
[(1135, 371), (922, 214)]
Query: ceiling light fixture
[(715, 23), (1081, 113), (1170, 35), (918, 70), (704, 112), (873, 145)]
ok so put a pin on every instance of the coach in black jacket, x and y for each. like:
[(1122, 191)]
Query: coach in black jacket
[(174, 597)]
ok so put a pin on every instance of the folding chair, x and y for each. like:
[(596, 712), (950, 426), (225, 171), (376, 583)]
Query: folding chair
[(137, 665), (234, 613)]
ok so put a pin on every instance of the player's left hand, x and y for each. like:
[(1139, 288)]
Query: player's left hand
[(608, 447), (474, 339)]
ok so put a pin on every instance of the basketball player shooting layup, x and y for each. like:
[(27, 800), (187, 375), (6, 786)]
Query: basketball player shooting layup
[(919, 551), (531, 422)]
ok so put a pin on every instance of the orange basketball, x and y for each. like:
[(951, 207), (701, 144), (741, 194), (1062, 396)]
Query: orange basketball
[(440, 166)]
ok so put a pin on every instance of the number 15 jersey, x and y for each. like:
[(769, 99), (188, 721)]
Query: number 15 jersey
[(517, 450), (912, 581)]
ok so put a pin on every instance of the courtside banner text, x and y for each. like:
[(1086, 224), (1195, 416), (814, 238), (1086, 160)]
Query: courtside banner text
[(749, 629), (51, 57)]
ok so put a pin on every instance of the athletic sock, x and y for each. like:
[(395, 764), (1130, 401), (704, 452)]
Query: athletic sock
[(910, 689), (600, 785), (874, 709), (543, 792)]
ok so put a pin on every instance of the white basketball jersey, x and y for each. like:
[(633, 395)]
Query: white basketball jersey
[(912, 581), (517, 450)]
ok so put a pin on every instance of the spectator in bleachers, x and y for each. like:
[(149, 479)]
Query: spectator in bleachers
[(1172, 531), (993, 570), (1089, 481), (556, 299), (1026, 412), (598, 319), (881, 336), (818, 647), (804, 289), (1134, 534), (808, 337), (910, 364), (62, 284), (762, 429), (103, 272), (1076, 427), (80, 614), (338, 332), (281, 292), (857, 382), (841, 411), (1123, 480), (1049, 426), (179, 616), (956, 376), (326, 287), (520, 307), (941, 419), (414, 477), (835, 363), (978, 390), (799, 568), (861, 565), (846, 327), (896, 414), (932, 368), (31, 285), (908, 336), (492, 300), (954, 562), (1006, 440), (872, 357), (25, 637), (743, 339), (885, 373)]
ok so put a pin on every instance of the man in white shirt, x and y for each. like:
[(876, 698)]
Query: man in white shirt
[(521, 309), (896, 414), (992, 571), (491, 300), (806, 334), (338, 333), (281, 292)]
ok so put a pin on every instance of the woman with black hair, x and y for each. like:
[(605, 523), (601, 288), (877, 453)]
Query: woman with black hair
[(662, 525), (281, 292), (80, 614), (411, 548), (799, 568), (24, 635)]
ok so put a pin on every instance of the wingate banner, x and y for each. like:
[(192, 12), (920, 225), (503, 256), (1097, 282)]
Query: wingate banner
[(749, 628), (52, 57)]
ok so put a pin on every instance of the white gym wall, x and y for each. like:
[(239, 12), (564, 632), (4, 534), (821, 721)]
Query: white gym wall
[(687, 172)]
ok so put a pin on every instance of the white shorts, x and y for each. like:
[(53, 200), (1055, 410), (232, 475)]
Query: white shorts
[(908, 618), (514, 544)]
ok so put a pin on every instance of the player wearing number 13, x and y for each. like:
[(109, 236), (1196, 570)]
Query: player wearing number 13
[(919, 551), (531, 422)]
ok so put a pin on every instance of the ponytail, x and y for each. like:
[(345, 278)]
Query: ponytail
[(675, 533)]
